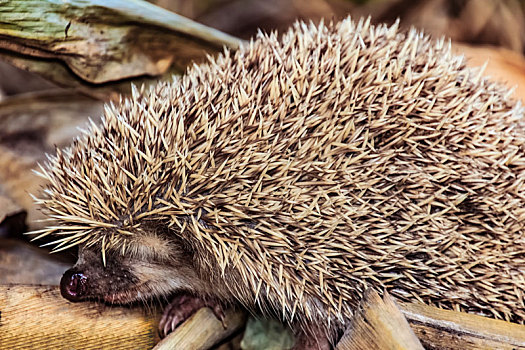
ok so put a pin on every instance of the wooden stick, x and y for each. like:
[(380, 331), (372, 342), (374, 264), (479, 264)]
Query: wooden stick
[(378, 324), (38, 317), (443, 329), (203, 330)]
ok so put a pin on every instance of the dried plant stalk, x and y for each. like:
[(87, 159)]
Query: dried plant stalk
[(37, 316)]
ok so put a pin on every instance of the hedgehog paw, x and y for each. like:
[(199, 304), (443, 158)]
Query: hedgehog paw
[(181, 308)]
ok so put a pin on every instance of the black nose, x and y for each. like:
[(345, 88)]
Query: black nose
[(73, 285)]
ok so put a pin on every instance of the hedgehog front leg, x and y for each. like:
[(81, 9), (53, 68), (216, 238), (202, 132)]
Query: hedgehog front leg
[(182, 307)]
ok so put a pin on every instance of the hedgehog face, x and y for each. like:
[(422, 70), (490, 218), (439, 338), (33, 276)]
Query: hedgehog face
[(155, 267)]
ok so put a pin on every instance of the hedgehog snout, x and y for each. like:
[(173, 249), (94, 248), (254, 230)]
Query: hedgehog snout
[(73, 285)]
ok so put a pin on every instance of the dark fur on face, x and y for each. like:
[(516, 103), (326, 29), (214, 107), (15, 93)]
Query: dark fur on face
[(149, 266)]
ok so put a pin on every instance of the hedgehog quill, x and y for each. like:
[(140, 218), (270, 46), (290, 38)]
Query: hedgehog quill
[(295, 173)]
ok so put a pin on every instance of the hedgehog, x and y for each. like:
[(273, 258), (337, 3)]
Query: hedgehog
[(295, 173)]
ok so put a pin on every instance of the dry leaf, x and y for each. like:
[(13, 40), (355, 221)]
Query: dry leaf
[(102, 41)]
